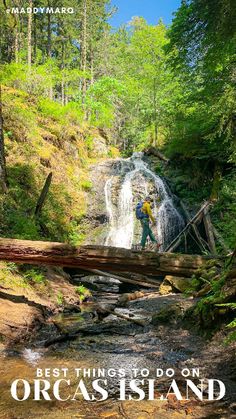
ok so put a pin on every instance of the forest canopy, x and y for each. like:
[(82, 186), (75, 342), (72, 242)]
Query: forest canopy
[(145, 83), (172, 87)]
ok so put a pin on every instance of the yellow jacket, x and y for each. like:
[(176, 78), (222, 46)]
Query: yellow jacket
[(146, 209)]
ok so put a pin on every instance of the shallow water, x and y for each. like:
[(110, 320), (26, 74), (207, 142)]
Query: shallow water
[(122, 345)]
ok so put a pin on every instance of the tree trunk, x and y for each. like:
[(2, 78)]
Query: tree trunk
[(84, 49), (3, 174), (49, 36), (91, 65), (66, 99), (216, 182), (203, 245), (29, 36), (34, 38), (43, 195), (62, 93), (49, 49), (16, 47), (106, 259), (62, 79), (155, 113), (155, 152)]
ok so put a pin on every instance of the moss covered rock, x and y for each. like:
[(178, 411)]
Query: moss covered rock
[(167, 314)]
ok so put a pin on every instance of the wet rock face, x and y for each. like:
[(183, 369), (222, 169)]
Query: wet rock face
[(97, 216), (100, 148), (172, 313), (167, 315), (118, 185), (71, 150)]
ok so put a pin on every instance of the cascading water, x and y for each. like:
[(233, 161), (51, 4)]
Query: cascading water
[(121, 207)]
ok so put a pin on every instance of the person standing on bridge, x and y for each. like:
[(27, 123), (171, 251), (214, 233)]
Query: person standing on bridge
[(144, 214)]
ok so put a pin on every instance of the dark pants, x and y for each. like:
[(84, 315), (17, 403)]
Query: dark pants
[(146, 232)]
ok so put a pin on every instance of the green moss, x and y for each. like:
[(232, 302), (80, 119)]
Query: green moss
[(86, 185)]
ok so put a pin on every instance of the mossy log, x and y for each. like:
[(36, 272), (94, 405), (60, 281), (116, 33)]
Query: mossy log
[(106, 259)]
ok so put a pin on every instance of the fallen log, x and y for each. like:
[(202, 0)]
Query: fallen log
[(129, 319), (106, 259), (149, 283), (209, 231), (43, 195), (155, 152)]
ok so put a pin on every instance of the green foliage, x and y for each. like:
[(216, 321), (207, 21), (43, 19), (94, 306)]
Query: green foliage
[(224, 211), (35, 275), (83, 292), (60, 298), (76, 237), (72, 112), (101, 99), (51, 109), (11, 267), (86, 185), (232, 324)]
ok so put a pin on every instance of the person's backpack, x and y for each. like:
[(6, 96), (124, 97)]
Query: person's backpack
[(139, 213)]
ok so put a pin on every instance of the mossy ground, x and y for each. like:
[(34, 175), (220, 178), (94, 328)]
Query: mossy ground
[(42, 136)]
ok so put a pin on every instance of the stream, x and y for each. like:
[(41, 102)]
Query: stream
[(113, 343)]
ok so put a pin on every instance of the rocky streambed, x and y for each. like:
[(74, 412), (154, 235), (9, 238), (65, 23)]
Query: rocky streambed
[(117, 327), (109, 342)]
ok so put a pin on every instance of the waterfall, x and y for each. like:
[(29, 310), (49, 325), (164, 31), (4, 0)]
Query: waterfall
[(121, 205)]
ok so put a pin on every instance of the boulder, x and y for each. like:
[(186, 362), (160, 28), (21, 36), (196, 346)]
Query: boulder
[(178, 283), (165, 288), (168, 314), (100, 148)]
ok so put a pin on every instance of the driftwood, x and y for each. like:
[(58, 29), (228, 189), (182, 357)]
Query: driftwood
[(157, 153), (150, 283), (106, 259), (129, 319), (209, 231), (201, 242), (43, 195), (175, 243)]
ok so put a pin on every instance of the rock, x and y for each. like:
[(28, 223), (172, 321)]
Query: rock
[(167, 314), (71, 150), (233, 407), (203, 291), (71, 308), (100, 148), (179, 283), (45, 162), (165, 288)]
